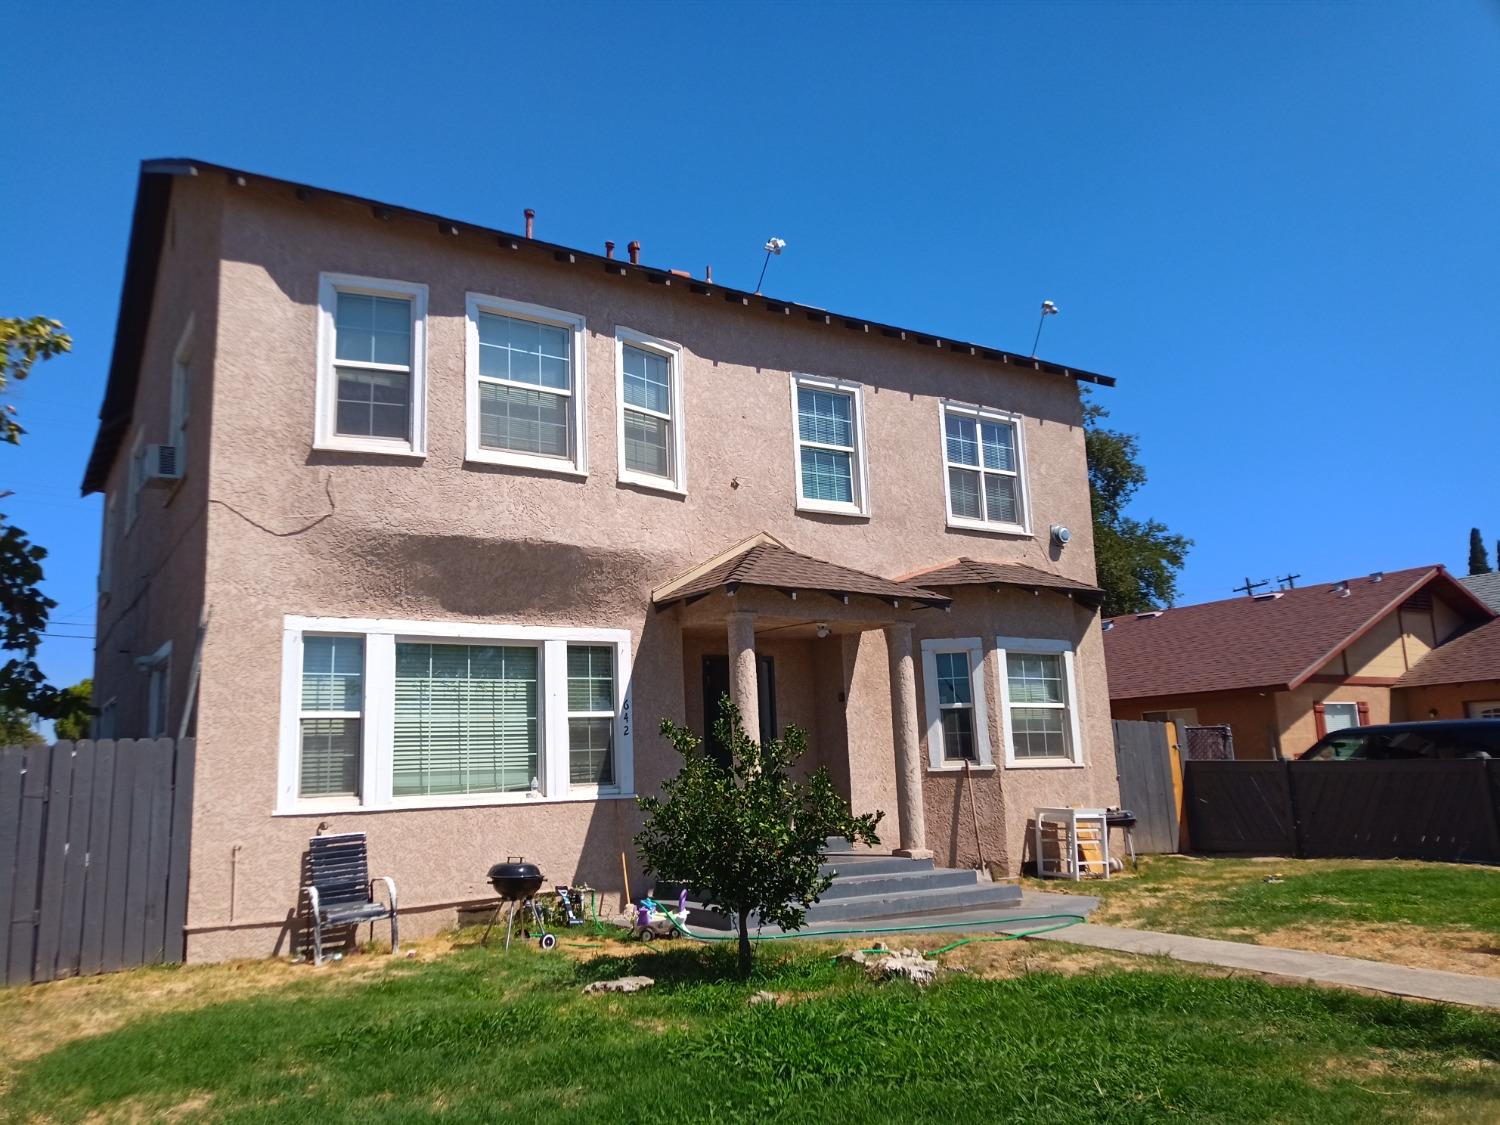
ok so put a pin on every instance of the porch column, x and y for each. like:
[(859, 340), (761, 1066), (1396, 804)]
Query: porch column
[(908, 746), (744, 691)]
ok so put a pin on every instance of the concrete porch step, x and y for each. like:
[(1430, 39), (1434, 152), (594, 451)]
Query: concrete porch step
[(857, 865), (848, 885)]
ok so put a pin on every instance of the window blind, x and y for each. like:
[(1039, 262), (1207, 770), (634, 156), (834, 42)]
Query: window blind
[(466, 719)]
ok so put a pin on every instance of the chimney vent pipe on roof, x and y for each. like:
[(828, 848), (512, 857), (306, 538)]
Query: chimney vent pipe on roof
[(609, 249), (708, 273), (530, 222), (1377, 576), (1342, 589), (635, 252)]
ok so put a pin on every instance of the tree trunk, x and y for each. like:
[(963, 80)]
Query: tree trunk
[(744, 944)]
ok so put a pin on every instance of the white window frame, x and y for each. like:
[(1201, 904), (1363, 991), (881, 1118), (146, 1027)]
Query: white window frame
[(672, 353), (1004, 647), (135, 478), (1351, 704), (158, 669), (107, 541), (181, 395), (332, 801), (1023, 491), (577, 393), (377, 734), (1476, 708), (859, 473), (973, 647), (325, 435), (622, 703)]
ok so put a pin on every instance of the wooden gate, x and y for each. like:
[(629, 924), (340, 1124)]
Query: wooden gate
[(1143, 760), (93, 856)]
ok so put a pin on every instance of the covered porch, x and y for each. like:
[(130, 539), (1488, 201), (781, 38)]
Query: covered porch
[(795, 640)]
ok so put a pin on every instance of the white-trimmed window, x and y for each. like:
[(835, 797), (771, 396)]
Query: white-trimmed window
[(829, 445), (526, 392), (592, 714), (330, 716), (135, 478), (1340, 716), (107, 541), (650, 390), (372, 365), (158, 669), (382, 714), (181, 395), (984, 469), (953, 682), (1039, 702)]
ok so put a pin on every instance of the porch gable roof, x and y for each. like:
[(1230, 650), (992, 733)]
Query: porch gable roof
[(764, 561)]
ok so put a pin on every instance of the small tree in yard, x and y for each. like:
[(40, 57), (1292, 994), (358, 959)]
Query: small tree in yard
[(747, 837)]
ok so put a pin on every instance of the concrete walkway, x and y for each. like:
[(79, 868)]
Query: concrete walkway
[(1321, 968)]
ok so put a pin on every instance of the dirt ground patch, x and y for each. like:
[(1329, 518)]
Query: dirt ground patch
[(1454, 950)]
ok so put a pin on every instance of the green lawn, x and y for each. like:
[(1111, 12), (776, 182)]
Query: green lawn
[(1436, 914), (476, 1034)]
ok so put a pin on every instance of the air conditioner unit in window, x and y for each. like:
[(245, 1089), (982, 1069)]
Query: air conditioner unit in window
[(161, 466)]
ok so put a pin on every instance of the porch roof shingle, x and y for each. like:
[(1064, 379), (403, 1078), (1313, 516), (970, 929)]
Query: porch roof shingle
[(965, 571), (773, 565), (1472, 657)]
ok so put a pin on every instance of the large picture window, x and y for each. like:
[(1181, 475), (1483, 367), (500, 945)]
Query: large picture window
[(410, 714), (829, 446), (983, 471), (526, 395), (1039, 702), (372, 392)]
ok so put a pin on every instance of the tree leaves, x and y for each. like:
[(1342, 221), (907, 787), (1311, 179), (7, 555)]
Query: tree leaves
[(22, 343), (748, 838)]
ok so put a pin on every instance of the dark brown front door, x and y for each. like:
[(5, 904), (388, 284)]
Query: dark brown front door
[(716, 686)]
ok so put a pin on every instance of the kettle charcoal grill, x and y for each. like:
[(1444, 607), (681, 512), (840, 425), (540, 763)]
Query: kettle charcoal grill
[(517, 882)]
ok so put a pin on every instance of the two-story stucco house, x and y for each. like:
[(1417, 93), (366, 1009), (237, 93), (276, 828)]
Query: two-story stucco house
[(448, 519)]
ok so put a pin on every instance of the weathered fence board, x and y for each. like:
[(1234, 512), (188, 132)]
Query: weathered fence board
[(1239, 807), (1442, 810), (1143, 760), (93, 856)]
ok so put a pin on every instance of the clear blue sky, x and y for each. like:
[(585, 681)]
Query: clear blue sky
[(1278, 224)]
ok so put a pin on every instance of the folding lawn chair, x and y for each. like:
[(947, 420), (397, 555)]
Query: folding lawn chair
[(341, 892)]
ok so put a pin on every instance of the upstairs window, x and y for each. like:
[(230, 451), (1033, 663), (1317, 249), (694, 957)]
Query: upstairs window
[(650, 392), (372, 393), (982, 466), (526, 395), (829, 446)]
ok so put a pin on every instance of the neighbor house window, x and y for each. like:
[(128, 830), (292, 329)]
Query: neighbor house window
[(1039, 702), (331, 716), (466, 719), (957, 730), (411, 714), (983, 469), (372, 392), (591, 715), (158, 668), (829, 446), (1338, 716), (651, 394), (525, 380), (181, 401), (135, 478)]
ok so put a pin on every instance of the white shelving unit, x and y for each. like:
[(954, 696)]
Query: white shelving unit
[(1072, 843)]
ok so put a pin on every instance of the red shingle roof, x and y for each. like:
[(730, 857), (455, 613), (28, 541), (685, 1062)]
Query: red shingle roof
[(770, 564), (1474, 656), (975, 572), (1250, 642)]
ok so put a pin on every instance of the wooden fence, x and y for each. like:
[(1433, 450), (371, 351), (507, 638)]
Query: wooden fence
[(1149, 787), (93, 856), (1444, 810)]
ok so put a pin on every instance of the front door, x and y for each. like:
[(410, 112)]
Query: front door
[(716, 686)]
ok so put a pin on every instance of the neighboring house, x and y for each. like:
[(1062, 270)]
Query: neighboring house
[(1461, 680), (1485, 587), (467, 514), (1283, 668)]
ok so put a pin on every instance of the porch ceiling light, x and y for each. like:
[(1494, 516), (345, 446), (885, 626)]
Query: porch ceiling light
[(823, 629)]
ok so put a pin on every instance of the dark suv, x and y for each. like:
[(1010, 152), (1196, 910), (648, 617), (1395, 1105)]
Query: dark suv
[(1437, 738)]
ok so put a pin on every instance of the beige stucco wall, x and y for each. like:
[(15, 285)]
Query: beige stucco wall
[(155, 593), (1299, 723), (1449, 701), (298, 531), (1252, 714)]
